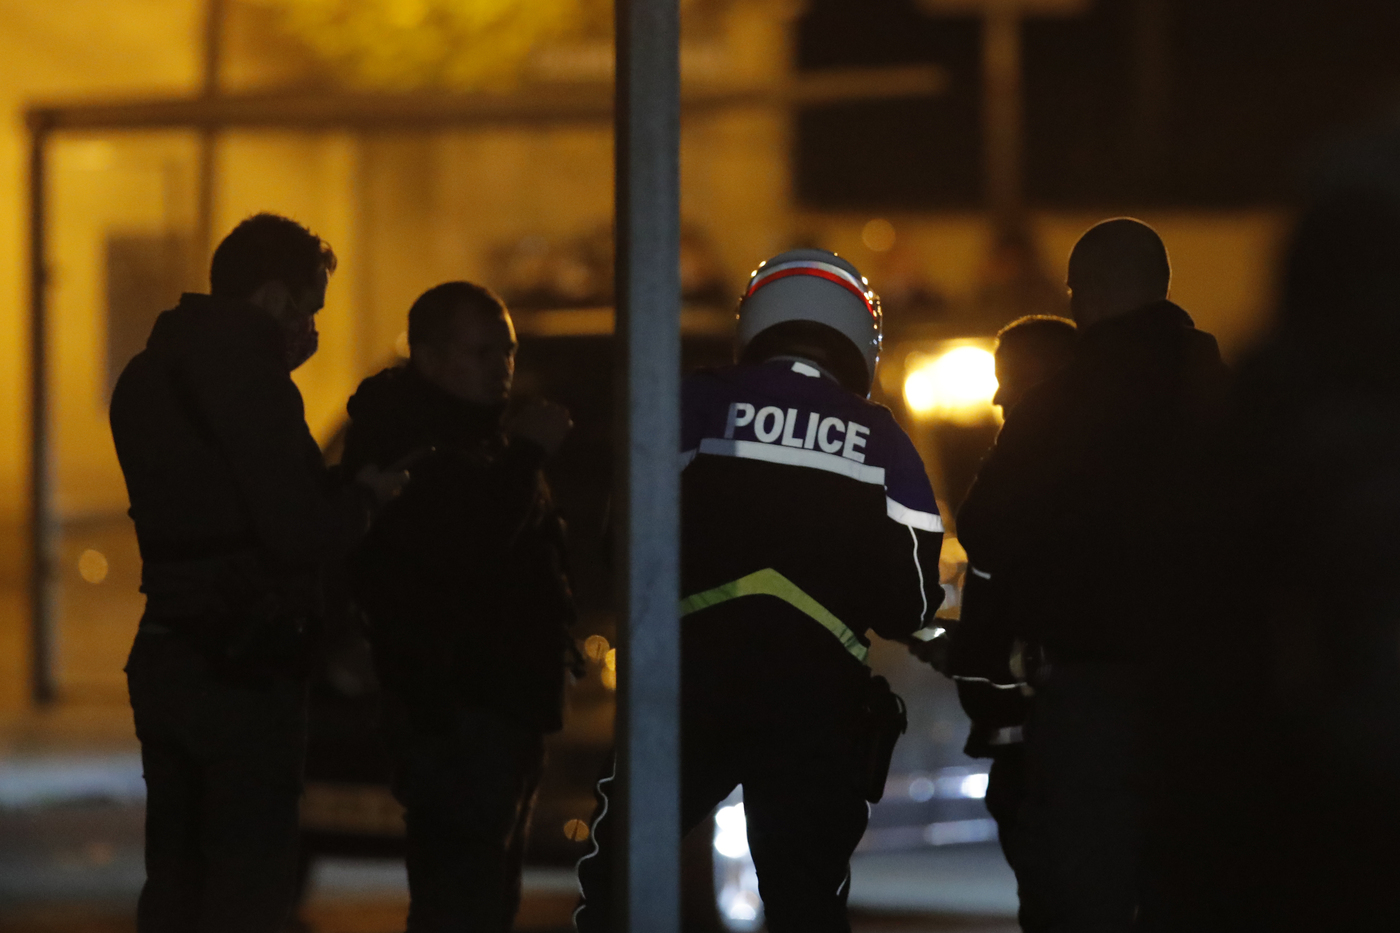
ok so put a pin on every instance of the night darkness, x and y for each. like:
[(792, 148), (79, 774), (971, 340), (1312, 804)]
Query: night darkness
[(1240, 95)]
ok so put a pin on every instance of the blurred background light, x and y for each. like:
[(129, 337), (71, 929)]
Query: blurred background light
[(878, 235), (957, 384), (92, 565), (596, 647), (731, 831), (974, 786), (736, 879)]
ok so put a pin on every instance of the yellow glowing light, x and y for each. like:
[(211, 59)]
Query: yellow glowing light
[(957, 385), (595, 647), (878, 235), (576, 830), (610, 659), (401, 345), (609, 678), (92, 566)]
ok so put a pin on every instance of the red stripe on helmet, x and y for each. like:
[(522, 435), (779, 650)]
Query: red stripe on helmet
[(819, 273)]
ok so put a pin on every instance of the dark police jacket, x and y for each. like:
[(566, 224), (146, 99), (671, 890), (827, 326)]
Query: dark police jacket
[(228, 491), (463, 576), (807, 520), (1086, 504)]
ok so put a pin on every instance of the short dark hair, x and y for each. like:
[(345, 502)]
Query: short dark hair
[(1044, 335), (1122, 253), (268, 248), (432, 315)]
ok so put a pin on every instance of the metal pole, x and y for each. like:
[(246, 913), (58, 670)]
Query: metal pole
[(203, 243), (1152, 94), (1001, 110), (41, 531), (647, 158)]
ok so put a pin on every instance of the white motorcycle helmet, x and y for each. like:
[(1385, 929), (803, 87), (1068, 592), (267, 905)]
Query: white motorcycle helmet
[(811, 303)]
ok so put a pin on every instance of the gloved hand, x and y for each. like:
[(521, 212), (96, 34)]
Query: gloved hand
[(933, 651)]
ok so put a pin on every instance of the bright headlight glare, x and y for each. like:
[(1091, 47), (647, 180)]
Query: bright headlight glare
[(731, 832), (958, 384), (742, 908), (974, 785)]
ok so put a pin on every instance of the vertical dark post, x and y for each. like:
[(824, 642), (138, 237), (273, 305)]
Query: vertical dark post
[(1152, 38), (203, 243), (1001, 110), (41, 531), (648, 328)]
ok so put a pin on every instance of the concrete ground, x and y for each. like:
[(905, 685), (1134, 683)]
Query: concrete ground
[(78, 870)]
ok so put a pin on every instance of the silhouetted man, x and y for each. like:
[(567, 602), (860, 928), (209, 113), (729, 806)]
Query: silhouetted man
[(1083, 504), (983, 655), (234, 515), (463, 580)]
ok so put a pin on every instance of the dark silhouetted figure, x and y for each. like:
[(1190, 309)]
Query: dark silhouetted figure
[(234, 514), (1082, 507), (807, 519), (984, 655), (463, 581), (1286, 806), (1029, 351)]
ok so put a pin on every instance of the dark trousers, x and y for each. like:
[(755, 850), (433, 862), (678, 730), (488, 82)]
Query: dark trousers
[(803, 802), (1078, 849), (467, 796), (1006, 792), (223, 764)]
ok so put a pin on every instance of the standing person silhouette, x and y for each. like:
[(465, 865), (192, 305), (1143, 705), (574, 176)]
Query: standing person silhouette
[(981, 651), (235, 515), (469, 606), (1083, 503)]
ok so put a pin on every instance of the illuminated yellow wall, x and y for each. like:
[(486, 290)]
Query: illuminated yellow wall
[(99, 186), (66, 49), (59, 49)]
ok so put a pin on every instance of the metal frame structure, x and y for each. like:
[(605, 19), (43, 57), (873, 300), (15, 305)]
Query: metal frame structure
[(41, 519)]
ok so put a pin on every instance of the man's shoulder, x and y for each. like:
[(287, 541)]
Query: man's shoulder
[(206, 325), (131, 394), (391, 403)]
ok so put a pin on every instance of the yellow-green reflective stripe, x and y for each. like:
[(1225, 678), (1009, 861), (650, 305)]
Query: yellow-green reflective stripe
[(769, 582)]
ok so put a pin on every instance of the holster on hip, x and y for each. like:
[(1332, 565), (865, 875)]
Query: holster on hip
[(884, 720)]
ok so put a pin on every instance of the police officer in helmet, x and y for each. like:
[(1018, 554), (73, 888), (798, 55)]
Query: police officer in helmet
[(807, 520)]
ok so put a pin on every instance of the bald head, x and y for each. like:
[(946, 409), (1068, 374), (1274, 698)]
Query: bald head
[(1118, 266)]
